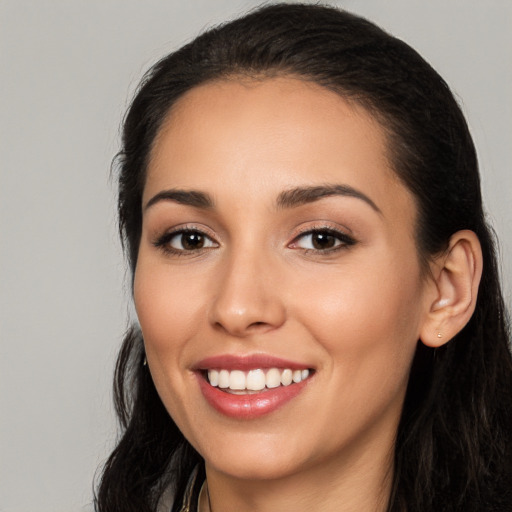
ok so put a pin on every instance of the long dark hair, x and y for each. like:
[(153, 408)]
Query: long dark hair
[(453, 447)]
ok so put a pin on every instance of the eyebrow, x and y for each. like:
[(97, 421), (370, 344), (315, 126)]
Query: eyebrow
[(303, 195), (186, 197), (287, 199)]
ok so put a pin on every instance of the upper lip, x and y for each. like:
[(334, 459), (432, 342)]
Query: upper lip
[(247, 362)]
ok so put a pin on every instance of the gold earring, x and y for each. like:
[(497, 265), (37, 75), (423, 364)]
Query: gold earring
[(439, 335)]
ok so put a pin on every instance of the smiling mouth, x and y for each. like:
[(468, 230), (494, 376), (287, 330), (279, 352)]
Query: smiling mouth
[(259, 380)]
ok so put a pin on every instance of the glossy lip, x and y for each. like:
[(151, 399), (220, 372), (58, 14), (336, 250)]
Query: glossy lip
[(248, 406), (247, 362)]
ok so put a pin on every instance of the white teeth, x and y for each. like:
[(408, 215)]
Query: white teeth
[(237, 380), (213, 377), (286, 377), (224, 379), (257, 379), (273, 378)]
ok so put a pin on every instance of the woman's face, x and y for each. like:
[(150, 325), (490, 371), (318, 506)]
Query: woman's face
[(277, 246)]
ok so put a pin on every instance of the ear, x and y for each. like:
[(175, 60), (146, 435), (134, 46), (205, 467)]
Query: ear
[(455, 280)]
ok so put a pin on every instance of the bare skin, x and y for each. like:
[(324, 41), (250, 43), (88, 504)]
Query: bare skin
[(331, 281)]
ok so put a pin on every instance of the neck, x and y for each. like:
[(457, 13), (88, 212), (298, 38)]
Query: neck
[(362, 485)]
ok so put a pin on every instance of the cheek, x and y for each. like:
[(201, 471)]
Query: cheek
[(171, 306), (368, 321), (167, 315), (166, 310), (368, 330)]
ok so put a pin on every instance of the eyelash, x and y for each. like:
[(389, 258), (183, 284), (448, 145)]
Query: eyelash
[(163, 242), (345, 241)]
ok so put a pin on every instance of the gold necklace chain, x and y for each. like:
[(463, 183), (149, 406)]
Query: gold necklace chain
[(208, 496), (186, 507), (188, 493), (201, 493)]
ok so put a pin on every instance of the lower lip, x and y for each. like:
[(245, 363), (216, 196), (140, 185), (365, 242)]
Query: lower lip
[(249, 406)]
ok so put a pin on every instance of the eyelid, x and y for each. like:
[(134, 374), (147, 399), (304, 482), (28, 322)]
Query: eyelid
[(345, 239), (162, 241)]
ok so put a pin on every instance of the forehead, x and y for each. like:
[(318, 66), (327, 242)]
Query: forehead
[(233, 135)]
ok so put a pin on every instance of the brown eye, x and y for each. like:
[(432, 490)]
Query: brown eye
[(185, 241), (322, 241), (192, 240)]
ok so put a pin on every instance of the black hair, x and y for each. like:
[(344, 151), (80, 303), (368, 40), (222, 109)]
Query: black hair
[(453, 448)]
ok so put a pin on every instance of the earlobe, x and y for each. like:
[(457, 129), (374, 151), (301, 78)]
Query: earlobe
[(456, 277)]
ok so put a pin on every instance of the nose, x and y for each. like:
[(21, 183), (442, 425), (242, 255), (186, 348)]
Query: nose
[(247, 296)]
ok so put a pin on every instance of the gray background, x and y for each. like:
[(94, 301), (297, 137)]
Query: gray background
[(68, 69)]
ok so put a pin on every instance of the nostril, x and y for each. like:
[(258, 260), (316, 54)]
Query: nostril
[(259, 326), (244, 313)]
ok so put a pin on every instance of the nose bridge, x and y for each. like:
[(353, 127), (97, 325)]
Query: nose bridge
[(247, 295)]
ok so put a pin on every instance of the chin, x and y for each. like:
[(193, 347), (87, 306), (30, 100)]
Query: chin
[(250, 458), (255, 467)]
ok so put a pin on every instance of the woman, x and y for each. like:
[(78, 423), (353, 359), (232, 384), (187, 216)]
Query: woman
[(321, 323)]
